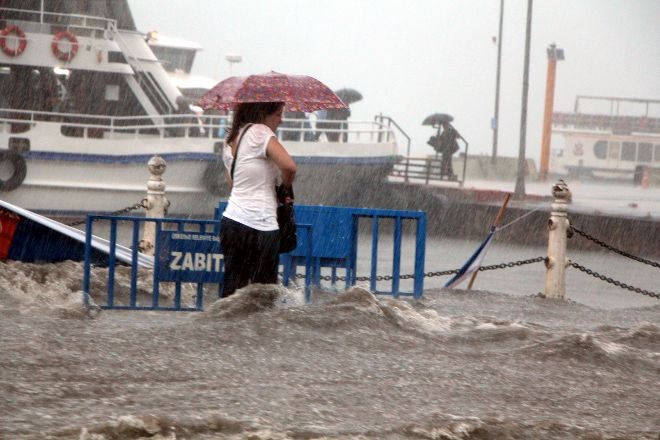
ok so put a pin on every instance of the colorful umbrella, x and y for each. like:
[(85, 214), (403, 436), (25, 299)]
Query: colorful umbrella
[(299, 92)]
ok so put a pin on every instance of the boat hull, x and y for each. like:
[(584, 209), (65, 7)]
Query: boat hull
[(194, 183)]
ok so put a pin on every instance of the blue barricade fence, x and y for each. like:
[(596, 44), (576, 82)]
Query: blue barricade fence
[(188, 251), (334, 244)]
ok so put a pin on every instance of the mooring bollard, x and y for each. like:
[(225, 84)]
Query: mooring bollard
[(156, 203), (556, 263)]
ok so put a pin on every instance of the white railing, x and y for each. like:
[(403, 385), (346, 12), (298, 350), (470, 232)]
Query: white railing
[(182, 125), (209, 126), (30, 17), (322, 130)]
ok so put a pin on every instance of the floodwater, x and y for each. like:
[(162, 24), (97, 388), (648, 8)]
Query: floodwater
[(262, 364)]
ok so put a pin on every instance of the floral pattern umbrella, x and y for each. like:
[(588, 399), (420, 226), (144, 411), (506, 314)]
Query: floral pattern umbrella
[(300, 93)]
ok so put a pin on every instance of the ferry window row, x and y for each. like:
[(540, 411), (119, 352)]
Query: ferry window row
[(643, 152)]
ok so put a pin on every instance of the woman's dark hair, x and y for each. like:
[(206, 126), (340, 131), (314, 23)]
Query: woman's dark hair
[(251, 112)]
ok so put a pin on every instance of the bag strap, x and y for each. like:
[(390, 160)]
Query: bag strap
[(233, 164)]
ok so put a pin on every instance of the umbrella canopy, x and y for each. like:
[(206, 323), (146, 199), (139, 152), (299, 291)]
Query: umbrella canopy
[(349, 96), (300, 93), (437, 119)]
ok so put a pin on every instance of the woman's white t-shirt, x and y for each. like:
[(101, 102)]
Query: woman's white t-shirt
[(252, 201)]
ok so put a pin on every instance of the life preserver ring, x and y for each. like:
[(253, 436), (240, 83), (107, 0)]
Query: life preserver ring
[(22, 41), (17, 162), (55, 46)]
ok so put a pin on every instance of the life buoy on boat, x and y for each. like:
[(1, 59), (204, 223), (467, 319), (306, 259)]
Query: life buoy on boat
[(17, 163), (22, 41), (55, 46)]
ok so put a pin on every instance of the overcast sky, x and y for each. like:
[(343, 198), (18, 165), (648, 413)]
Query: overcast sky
[(411, 58)]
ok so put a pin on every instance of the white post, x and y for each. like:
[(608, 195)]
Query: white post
[(156, 203), (555, 275)]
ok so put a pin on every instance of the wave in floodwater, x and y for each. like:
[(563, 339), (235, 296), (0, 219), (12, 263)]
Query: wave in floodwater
[(262, 364)]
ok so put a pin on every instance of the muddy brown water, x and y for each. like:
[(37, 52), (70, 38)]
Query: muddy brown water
[(265, 365)]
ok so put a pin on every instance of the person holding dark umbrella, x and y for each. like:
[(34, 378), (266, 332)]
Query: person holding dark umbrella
[(448, 146), (445, 142)]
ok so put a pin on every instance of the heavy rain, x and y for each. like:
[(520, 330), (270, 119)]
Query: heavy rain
[(521, 137)]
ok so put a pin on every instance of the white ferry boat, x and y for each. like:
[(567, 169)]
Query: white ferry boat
[(85, 104), (607, 145)]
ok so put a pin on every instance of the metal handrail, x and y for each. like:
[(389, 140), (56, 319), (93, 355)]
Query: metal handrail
[(111, 24), (134, 61)]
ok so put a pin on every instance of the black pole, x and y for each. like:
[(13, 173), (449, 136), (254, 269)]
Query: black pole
[(520, 179), (496, 117)]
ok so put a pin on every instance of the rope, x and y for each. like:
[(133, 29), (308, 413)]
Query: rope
[(518, 219)]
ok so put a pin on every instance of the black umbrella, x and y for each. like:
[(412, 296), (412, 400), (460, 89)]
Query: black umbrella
[(349, 96), (437, 119)]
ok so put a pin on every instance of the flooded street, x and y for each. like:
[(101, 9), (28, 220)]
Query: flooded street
[(264, 365)]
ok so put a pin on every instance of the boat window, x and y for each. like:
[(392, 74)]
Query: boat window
[(657, 152), (116, 57), (645, 152), (600, 149), (628, 150), (615, 150)]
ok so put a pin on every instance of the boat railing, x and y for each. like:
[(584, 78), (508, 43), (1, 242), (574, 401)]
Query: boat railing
[(144, 78), (95, 126), (616, 123), (46, 22), (330, 130), (191, 125)]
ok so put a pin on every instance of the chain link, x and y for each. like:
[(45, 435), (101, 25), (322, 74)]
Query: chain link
[(613, 249), (434, 274), (140, 204), (613, 281)]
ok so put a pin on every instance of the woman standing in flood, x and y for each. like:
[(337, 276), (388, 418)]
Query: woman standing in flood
[(249, 233)]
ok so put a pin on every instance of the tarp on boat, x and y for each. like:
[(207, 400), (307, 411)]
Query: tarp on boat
[(30, 237)]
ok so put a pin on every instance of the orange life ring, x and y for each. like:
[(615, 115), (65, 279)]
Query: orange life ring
[(22, 41), (55, 46)]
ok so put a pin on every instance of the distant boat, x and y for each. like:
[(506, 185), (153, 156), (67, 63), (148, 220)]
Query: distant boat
[(606, 145), (86, 103)]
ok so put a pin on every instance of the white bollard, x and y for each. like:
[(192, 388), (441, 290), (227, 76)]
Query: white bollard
[(156, 203), (555, 275)]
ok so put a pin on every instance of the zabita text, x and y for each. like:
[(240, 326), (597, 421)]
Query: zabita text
[(195, 261)]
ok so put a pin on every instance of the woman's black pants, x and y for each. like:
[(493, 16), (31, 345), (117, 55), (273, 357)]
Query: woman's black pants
[(251, 256)]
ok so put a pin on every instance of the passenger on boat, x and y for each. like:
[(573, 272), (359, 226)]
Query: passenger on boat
[(341, 115), (254, 159), (301, 127)]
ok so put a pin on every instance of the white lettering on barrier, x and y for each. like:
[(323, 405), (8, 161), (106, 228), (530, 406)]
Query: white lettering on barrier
[(196, 237), (195, 261)]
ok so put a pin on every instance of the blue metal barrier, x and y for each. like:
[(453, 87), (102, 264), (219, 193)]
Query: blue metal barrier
[(186, 251), (420, 247), (332, 242)]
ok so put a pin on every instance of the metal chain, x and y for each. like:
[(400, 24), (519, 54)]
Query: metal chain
[(613, 249), (513, 264), (433, 274), (140, 204), (613, 281)]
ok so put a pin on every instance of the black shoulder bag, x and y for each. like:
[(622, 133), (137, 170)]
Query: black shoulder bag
[(285, 214)]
